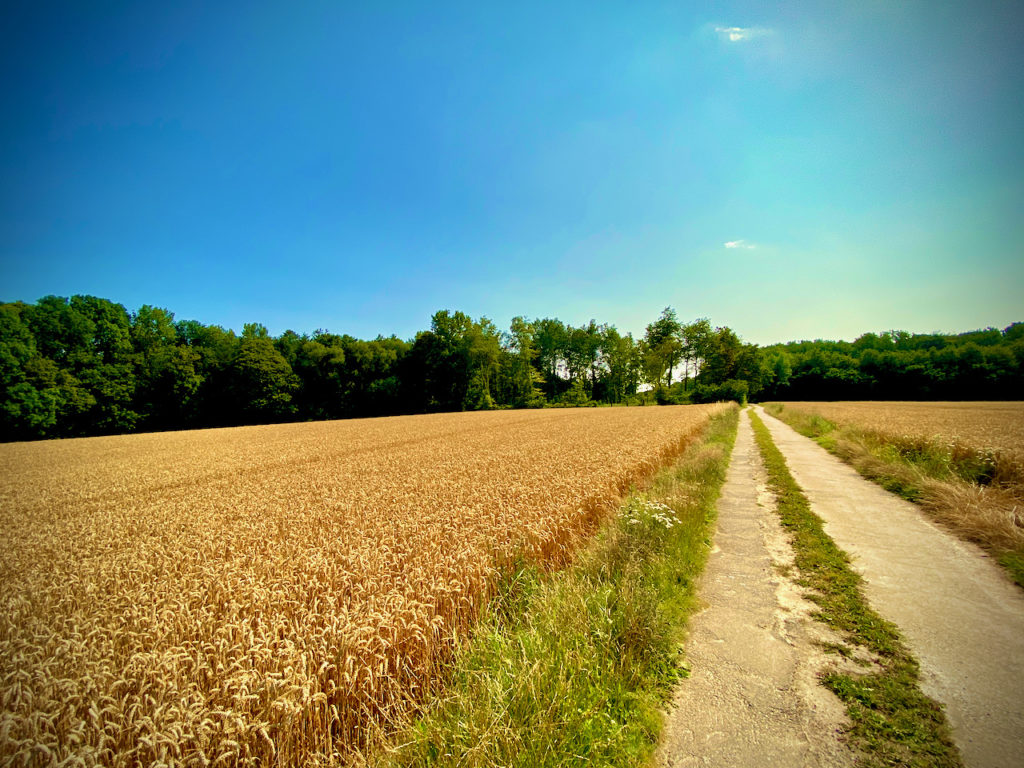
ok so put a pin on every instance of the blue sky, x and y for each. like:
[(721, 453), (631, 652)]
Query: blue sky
[(796, 170)]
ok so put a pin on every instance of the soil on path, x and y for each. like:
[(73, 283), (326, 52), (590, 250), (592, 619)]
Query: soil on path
[(961, 616), (753, 698)]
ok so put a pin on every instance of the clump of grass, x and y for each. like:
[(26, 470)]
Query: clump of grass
[(575, 666), (892, 721), (977, 494)]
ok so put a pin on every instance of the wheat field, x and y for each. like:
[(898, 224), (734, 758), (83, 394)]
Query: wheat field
[(277, 595), (996, 426)]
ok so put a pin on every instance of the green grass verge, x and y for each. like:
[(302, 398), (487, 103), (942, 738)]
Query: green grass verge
[(574, 667), (892, 721), (928, 474)]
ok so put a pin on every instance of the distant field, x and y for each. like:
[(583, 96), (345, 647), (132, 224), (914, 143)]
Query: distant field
[(267, 594), (998, 426)]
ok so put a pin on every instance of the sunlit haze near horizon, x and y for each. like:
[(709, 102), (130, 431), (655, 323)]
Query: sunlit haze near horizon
[(797, 171)]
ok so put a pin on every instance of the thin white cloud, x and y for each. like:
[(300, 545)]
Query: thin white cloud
[(740, 244), (741, 34)]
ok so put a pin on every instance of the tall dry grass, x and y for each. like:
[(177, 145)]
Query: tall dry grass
[(983, 438), (989, 514), (963, 463), (277, 595)]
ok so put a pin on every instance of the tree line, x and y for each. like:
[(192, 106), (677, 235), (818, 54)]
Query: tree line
[(86, 366), (896, 365)]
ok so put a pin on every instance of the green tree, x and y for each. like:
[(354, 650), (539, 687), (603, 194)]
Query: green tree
[(110, 341), (583, 355), (255, 331), (377, 374), (731, 369), (483, 349), (213, 350), (779, 365), (369, 379), (168, 373), (87, 339), (288, 344), (444, 361), (61, 332), (263, 382), (663, 348), (695, 343), (621, 357), (520, 372), (454, 364), (28, 387), (551, 338), (319, 364)]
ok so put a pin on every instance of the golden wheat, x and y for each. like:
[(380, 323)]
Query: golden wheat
[(275, 595), (982, 425)]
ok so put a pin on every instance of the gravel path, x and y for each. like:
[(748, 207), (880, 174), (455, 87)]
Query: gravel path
[(753, 699), (961, 616)]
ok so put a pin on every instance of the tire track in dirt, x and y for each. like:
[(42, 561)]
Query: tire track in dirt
[(753, 698), (961, 616)]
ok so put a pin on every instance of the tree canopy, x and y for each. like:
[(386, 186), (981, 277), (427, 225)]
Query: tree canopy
[(895, 365), (86, 366)]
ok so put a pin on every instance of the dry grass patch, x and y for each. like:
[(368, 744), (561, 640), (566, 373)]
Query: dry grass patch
[(969, 478), (986, 438), (990, 516)]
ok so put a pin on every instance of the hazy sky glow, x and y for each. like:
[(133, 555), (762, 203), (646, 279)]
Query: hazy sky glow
[(813, 170)]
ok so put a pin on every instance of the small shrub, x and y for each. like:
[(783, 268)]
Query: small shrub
[(733, 389)]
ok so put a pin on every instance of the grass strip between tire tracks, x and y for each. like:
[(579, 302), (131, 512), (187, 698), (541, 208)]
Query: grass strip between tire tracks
[(892, 721), (575, 667)]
